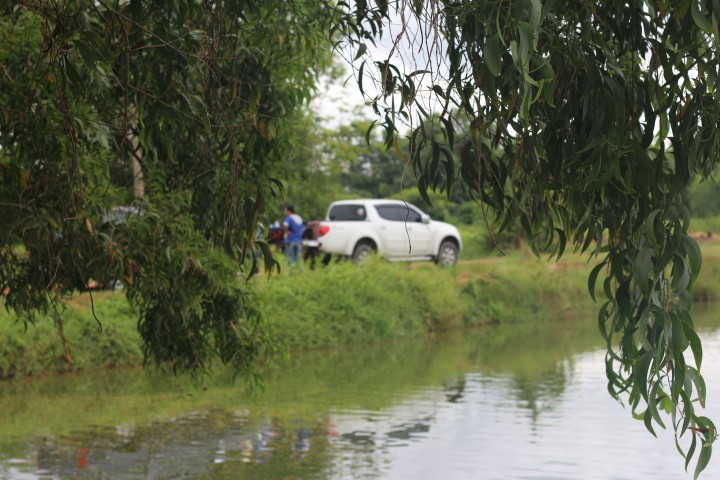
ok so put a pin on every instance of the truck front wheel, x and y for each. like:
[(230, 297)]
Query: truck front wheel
[(447, 254)]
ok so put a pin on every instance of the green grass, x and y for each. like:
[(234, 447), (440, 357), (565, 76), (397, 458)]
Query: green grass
[(342, 304), (33, 348), (705, 225), (522, 288), (349, 304)]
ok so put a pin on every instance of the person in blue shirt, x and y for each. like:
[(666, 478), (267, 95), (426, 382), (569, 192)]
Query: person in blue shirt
[(293, 227)]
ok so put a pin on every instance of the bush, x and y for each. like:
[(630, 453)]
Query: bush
[(346, 303), (521, 288)]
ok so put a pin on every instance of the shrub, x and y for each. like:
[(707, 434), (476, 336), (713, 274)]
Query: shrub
[(346, 303)]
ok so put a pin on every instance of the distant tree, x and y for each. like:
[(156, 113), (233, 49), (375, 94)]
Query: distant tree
[(703, 198), (363, 166), (307, 176)]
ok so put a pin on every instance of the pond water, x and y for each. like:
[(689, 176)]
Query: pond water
[(505, 402)]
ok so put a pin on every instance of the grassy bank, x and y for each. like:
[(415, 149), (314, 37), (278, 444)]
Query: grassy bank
[(38, 348), (350, 304), (342, 304)]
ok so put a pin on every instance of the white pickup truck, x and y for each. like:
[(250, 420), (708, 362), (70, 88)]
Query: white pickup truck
[(394, 229)]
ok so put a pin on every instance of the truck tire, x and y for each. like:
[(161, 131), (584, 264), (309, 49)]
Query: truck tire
[(363, 251), (447, 254)]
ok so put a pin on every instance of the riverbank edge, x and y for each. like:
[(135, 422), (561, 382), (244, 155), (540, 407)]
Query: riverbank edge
[(344, 304)]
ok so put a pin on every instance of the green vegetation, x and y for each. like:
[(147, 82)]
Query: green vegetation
[(583, 123), (347, 303), (342, 304), (184, 111), (80, 343)]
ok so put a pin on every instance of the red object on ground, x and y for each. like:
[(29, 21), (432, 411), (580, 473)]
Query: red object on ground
[(82, 458)]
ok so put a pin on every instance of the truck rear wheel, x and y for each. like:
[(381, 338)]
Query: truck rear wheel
[(363, 251)]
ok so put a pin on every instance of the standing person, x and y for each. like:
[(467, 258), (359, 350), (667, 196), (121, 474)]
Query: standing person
[(293, 226)]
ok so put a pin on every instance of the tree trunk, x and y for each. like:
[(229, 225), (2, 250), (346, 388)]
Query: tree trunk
[(136, 155)]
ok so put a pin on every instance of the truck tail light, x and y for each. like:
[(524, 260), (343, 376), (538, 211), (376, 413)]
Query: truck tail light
[(324, 229)]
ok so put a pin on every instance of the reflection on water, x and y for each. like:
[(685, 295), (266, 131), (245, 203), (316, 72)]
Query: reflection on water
[(188, 447), (524, 402)]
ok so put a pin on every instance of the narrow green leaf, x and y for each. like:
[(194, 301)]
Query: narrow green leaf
[(694, 376), (623, 300), (562, 242), (525, 45), (692, 250), (423, 189), (514, 52), (654, 398), (698, 17), (678, 381), (649, 131), (86, 53), (607, 288), (369, 132), (705, 453), (598, 119), (691, 451), (360, 78), (449, 131), (641, 374), (74, 77), (433, 172), (362, 48), (526, 102), (493, 55), (643, 330), (699, 382), (642, 268), (535, 13), (602, 319), (268, 260), (648, 422), (695, 344), (684, 214), (94, 41), (680, 273), (650, 228)]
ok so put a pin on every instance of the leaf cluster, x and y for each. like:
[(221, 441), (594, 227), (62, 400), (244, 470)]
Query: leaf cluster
[(202, 96), (584, 122)]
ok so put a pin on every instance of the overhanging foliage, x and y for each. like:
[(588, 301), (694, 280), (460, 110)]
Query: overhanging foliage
[(585, 121), (200, 97), (582, 121)]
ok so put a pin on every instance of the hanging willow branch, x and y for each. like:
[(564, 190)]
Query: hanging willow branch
[(583, 122)]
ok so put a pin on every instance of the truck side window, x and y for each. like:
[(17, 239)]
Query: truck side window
[(398, 213), (347, 212)]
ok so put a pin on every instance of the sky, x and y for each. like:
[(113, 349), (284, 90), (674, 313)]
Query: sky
[(340, 101)]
